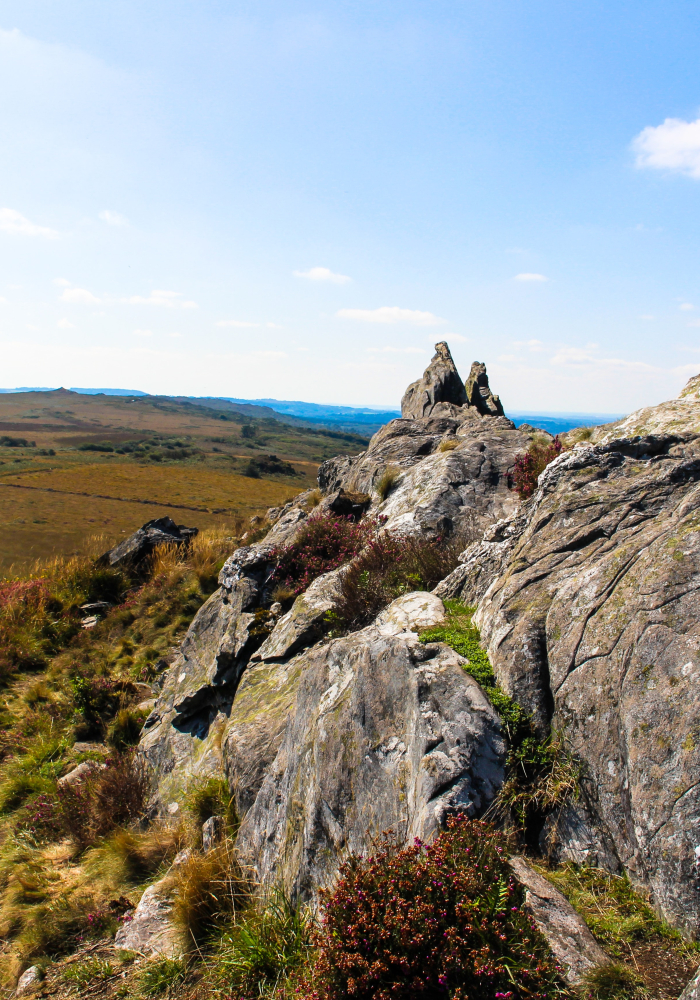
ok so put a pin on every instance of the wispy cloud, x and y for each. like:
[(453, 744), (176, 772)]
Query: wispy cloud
[(81, 295), (532, 345), (113, 218), (694, 322), (65, 324), (456, 338), (16, 224), (61, 282), (238, 323), (674, 145), (323, 274), (391, 314), (530, 276), (143, 333), (159, 297), (395, 350), (686, 306)]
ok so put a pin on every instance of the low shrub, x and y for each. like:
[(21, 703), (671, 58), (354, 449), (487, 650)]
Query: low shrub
[(388, 567), (429, 921), (109, 797), (210, 889), (271, 941), (125, 728), (161, 975), (324, 543), (530, 464), (387, 481), (613, 982)]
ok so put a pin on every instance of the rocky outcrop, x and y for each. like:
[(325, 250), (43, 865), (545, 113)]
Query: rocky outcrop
[(479, 394), (570, 940), (440, 384), (134, 550), (588, 606), (384, 733)]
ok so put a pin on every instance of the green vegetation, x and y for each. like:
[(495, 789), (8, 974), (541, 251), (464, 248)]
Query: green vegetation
[(387, 481), (83, 974), (541, 772), (161, 977)]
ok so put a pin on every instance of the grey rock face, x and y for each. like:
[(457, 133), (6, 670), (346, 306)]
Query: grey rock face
[(692, 990), (28, 981), (479, 394), (570, 940), (440, 384), (133, 550), (305, 622), (151, 931), (384, 733), (591, 622)]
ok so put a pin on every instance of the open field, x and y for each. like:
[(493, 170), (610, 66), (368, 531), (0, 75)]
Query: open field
[(72, 467)]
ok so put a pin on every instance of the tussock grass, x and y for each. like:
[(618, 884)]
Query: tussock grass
[(387, 481), (449, 444), (210, 890)]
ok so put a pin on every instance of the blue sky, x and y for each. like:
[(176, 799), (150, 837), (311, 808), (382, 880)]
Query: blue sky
[(298, 200)]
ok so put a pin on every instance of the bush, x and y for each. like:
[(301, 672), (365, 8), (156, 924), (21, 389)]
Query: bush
[(530, 464), (387, 481), (96, 446), (613, 982), (209, 889), (444, 920), (110, 797), (324, 543), (270, 943), (388, 567)]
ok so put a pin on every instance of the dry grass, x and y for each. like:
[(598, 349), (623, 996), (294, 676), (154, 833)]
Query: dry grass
[(387, 481), (210, 890), (449, 444)]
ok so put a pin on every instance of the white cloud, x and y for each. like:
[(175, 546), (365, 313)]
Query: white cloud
[(674, 145), (238, 323), (113, 218), (396, 350), (532, 345), (274, 326), (174, 334), (694, 322), (527, 276), (159, 297), (391, 314), (3, 301), (16, 224), (323, 274), (61, 282), (143, 333), (686, 306), (81, 295), (65, 324)]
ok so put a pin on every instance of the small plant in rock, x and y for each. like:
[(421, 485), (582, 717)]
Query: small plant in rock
[(387, 481), (542, 774), (271, 941), (531, 463), (125, 728), (449, 444), (430, 921), (324, 543), (613, 982)]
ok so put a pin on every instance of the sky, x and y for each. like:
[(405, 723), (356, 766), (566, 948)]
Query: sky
[(265, 199)]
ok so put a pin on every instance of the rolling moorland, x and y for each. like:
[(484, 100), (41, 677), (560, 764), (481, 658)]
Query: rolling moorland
[(428, 730), (75, 466)]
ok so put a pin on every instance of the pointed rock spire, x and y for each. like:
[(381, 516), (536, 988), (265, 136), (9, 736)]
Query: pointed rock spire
[(479, 394), (440, 384)]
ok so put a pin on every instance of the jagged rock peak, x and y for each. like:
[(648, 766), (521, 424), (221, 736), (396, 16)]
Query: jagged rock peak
[(440, 384), (479, 394)]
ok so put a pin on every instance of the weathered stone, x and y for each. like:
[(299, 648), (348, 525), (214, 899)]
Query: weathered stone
[(213, 831), (80, 773), (410, 613), (133, 550), (570, 940), (692, 990), (151, 931), (346, 503), (28, 981), (440, 384), (385, 732), (591, 623), (305, 622), (479, 394)]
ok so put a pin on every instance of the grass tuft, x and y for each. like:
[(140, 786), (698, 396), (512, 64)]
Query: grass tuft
[(613, 982), (387, 481)]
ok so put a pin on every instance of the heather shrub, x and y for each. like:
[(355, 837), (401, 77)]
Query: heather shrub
[(388, 567), (429, 921), (531, 463), (323, 544), (110, 797)]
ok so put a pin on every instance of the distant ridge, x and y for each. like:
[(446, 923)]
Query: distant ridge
[(358, 419)]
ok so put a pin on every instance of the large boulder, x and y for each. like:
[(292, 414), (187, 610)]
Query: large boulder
[(591, 621), (440, 384), (137, 547), (384, 733), (479, 394)]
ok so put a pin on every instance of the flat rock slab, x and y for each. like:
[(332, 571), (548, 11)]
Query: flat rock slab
[(567, 934)]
